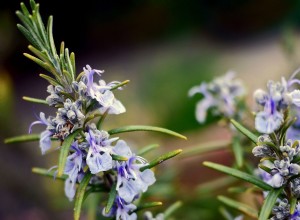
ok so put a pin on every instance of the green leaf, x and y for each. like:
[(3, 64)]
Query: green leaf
[(40, 25), (39, 54), (32, 4), (69, 64), (50, 35), (24, 9), (111, 198), (239, 206), (171, 209), (62, 48), (161, 159), (269, 204), (72, 58), (293, 202), (131, 128), (41, 63), (101, 119), (35, 100), (64, 151), (244, 130), (90, 117), (48, 173), (239, 174), (205, 148), (22, 138), (68, 75), (50, 80), (118, 157), (80, 195), (120, 84), (147, 205), (147, 149), (25, 19), (265, 168), (30, 36), (238, 151)]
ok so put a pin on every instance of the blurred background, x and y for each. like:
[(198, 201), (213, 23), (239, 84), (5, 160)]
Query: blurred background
[(164, 48)]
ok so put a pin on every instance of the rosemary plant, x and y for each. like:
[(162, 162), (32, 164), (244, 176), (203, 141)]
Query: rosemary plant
[(277, 176), (91, 159)]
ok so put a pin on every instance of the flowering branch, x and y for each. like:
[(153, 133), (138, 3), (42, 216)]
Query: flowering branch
[(90, 159)]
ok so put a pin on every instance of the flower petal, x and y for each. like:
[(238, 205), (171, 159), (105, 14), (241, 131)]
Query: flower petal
[(277, 180), (296, 97), (45, 141), (201, 109), (148, 178), (267, 123), (70, 188), (98, 161), (128, 190), (121, 148)]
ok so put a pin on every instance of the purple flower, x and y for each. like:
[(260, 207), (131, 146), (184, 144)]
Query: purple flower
[(295, 187), (73, 168), (148, 216), (102, 92), (282, 170), (263, 150), (221, 95), (45, 136), (131, 181), (274, 102), (89, 73), (122, 210), (70, 117), (55, 97), (281, 211), (98, 158)]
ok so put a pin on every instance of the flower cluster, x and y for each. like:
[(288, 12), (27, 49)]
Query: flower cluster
[(282, 161), (281, 211), (274, 103), (110, 160), (85, 98), (223, 96), (278, 146), (279, 166)]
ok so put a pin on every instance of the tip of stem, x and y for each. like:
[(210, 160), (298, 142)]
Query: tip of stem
[(206, 163), (34, 169), (59, 173), (178, 151)]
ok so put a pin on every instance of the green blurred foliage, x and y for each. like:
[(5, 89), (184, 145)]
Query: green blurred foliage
[(165, 87)]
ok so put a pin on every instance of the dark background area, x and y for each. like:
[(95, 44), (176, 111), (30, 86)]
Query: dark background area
[(113, 34), (108, 28)]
